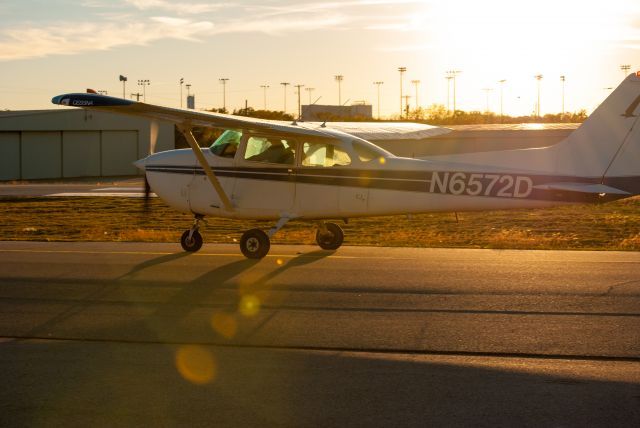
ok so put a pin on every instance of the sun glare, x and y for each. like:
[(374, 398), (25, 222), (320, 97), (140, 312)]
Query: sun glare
[(521, 39)]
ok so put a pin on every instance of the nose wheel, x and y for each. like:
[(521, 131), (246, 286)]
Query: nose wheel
[(191, 239), (191, 243), (329, 236)]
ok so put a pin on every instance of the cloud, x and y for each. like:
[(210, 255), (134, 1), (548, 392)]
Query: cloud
[(182, 8), (72, 38)]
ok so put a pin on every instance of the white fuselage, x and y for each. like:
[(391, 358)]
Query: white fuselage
[(383, 186)]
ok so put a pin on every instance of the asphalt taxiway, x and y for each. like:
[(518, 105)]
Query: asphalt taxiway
[(113, 334)]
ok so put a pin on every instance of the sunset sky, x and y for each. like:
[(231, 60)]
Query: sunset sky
[(48, 47)]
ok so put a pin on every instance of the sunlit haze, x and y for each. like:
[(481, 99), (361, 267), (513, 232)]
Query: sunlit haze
[(48, 47)]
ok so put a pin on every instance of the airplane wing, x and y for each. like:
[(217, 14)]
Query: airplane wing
[(365, 130), (178, 116)]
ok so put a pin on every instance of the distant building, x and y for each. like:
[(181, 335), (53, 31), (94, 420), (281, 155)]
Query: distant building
[(316, 112)]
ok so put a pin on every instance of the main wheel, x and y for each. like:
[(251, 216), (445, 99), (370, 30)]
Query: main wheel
[(332, 239), (192, 245), (254, 244)]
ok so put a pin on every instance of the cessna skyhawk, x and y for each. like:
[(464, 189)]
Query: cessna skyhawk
[(259, 169)]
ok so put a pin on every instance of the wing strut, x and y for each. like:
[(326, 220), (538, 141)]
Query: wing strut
[(188, 135)]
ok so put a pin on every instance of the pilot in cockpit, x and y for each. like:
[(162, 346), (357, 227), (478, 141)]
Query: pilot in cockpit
[(277, 152)]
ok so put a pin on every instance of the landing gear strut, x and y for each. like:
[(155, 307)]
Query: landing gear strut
[(191, 239)]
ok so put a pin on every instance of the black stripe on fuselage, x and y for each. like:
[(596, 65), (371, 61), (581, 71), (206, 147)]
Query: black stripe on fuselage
[(507, 185)]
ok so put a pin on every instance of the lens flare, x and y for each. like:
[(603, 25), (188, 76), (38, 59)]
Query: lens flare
[(196, 364), (382, 160), (249, 305), (224, 324)]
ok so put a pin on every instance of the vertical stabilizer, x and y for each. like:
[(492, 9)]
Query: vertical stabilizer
[(608, 141)]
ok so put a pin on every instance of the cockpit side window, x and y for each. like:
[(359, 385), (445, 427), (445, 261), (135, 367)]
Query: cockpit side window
[(270, 150), (227, 144), (324, 155)]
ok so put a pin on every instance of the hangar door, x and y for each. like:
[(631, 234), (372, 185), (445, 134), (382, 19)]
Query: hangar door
[(9, 155), (80, 153), (41, 155), (119, 151)]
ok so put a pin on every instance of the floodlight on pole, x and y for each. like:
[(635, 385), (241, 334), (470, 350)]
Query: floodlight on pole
[(181, 83), (401, 70), (284, 85), (453, 74), (309, 91), (264, 94), (416, 83), (378, 83), (501, 96), (224, 81), (299, 87), (338, 78), (144, 83), (448, 92), (487, 92), (123, 79), (538, 77), (562, 79), (625, 70)]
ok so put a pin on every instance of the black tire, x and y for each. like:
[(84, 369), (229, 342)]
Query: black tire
[(254, 244), (332, 239), (191, 245)]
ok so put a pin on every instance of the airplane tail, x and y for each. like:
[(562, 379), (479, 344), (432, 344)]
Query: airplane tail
[(607, 145)]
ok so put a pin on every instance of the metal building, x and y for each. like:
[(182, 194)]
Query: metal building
[(50, 144)]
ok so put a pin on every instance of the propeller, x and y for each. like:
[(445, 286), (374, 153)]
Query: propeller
[(153, 140)]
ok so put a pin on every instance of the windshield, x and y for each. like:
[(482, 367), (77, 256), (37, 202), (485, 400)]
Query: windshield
[(227, 144), (367, 151)]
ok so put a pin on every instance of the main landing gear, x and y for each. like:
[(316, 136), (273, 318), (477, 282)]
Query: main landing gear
[(255, 243)]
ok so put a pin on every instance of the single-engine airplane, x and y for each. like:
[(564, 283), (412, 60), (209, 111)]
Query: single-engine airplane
[(259, 169)]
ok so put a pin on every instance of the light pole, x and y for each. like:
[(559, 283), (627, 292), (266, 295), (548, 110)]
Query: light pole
[(416, 83), (309, 90), (224, 81), (448, 92), (401, 70), (538, 77), (144, 83), (625, 70), (487, 91), (284, 85), (181, 83), (264, 94), (378, 83), (338, 78), (501, 96), (299, 87), (406, 103), (453, 74), (123, 79), (188, 85), (562, 79)]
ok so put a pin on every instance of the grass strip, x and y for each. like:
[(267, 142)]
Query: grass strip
[(613, 226)]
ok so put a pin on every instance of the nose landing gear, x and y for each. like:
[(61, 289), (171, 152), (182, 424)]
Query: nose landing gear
[(191, 239)]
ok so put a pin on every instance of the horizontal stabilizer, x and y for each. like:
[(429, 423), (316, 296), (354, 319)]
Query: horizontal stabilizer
[(594, 188)]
